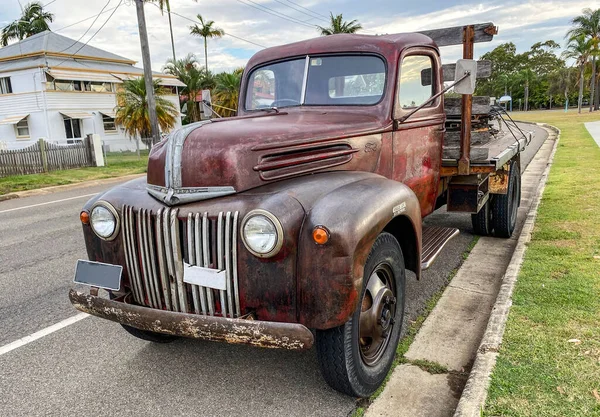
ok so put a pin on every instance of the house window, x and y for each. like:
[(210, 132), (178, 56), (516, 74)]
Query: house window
[(73, 128), (22, 128), (109, 124), (5, 86), (98, 87)]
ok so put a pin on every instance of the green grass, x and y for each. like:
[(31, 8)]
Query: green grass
[(541, 369), (118, 164)]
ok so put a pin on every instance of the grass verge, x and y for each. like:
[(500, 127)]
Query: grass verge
[(118, 165), (409, 337), (549, 362)]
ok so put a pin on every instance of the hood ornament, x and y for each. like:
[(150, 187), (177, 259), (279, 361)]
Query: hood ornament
[(173, 193)]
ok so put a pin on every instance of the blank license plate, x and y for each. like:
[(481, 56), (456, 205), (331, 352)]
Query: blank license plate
[(97, 274)]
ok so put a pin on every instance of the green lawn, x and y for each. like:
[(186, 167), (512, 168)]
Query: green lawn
[(549, 363), (118, 164)]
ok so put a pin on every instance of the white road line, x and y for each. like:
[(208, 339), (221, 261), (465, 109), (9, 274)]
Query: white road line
[(48, 202), (44, 332)]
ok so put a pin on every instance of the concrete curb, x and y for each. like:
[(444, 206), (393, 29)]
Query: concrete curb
[(67, 187), (474, 394)]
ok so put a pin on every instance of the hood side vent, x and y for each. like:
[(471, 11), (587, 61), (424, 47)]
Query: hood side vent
[(305, 160)]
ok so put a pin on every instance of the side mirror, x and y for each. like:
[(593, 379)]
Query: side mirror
[(467, 85)]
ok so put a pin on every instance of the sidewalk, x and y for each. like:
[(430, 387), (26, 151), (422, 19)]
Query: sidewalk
[(442, 354), (594, 129)]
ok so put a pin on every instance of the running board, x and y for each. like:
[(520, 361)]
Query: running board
[(434, 240)]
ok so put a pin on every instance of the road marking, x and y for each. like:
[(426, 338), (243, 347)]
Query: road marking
[(44, 332), (48, 202)]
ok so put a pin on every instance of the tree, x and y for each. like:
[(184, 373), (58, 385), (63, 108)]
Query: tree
[(579, 49), (206, 30), (338, 25), (588, 26), (560, 82), (195, 78), (227, 92), (33, 20), (132, 109), (162, 4)]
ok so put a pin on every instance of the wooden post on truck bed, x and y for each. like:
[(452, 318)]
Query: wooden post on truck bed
[(464, 163)]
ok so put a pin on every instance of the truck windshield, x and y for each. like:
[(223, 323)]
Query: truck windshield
[(317, 81)]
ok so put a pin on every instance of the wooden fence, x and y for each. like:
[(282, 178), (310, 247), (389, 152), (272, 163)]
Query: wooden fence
[(45, 157)]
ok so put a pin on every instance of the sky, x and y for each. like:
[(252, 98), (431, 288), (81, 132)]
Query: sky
[(253, 24)]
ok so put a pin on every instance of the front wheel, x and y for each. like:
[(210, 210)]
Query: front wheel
[(356, 357), (149, 336)]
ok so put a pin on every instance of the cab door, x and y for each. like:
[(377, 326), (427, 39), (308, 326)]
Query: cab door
[(417, 141)]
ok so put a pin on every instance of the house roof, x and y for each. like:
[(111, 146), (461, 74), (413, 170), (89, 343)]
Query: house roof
[(52, 44)]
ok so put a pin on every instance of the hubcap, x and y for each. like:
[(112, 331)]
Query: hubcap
[(378, 310)]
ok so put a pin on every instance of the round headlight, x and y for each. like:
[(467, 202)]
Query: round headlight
[(104, 221), (262, 233)]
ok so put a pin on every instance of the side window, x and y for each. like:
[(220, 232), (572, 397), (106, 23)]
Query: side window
[(23, 128), (412, 92)]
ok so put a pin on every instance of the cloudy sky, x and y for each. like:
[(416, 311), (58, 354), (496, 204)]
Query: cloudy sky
[(252, 24)]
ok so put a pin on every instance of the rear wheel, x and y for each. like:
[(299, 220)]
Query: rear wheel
[(505, 206), (482, 221), (356, 357), (149, 336)]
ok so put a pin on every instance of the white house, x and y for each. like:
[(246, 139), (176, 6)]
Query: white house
[(56, 88)]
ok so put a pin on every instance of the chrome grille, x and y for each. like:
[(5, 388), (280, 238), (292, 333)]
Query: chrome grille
[(157, 245)]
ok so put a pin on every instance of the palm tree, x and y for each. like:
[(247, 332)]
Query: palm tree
[(588, 26), (338, 25), (33, 20), (132, 109), (206, 30), (227, 92), (579, 49), (162, 4), (195, 78)]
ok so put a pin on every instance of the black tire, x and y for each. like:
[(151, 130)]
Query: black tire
[(505, 206), (342, 353), (149, 336), (482, 221)]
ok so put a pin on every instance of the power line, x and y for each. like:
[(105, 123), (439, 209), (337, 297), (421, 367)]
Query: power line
[(226, 33), (302, 7), (303, 12), (95, 33), (88, 29), (275, 13), (43, 5)]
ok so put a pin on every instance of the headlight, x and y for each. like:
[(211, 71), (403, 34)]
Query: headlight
[(262, 233), (104, 220)]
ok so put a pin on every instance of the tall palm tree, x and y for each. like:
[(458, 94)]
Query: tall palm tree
[(33, 20), (206, 30), (162, 4), (227, 92), (588, 26), (560, 82), (132, 109), (195, 78), (338, 25), (579, 49)]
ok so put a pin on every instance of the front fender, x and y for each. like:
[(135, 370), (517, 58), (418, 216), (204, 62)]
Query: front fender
[(330, 276)]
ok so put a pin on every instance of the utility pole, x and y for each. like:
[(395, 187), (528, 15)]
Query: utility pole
[(139, 6)]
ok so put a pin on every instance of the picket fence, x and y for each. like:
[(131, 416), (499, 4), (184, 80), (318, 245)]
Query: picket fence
[(45, 157)]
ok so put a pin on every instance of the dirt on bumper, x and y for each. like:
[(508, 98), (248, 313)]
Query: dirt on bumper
[(266, 334)]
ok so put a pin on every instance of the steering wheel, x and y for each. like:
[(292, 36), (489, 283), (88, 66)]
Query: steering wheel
[(285, 102)]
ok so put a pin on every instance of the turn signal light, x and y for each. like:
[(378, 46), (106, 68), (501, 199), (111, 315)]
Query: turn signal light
[(320, 235), (84, 216)]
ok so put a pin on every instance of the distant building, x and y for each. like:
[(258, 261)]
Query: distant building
[(56, 88)]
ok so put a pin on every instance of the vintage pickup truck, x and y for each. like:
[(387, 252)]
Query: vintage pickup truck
[(294, 223)]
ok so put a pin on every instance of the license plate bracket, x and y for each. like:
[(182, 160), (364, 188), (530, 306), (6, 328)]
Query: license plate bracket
[(98, 274)]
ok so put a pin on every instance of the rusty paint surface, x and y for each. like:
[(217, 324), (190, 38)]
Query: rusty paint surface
[(499, 180), (237, 331)]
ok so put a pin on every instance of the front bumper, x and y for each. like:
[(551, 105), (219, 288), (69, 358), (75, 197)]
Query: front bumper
[(267, 334)]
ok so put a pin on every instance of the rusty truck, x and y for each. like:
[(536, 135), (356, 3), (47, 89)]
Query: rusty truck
[(293, 223)]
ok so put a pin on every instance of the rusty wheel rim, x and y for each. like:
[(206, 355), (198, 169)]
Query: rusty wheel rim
[(378, 309)]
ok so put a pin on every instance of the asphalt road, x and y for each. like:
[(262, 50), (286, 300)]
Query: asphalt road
[(93, 367)]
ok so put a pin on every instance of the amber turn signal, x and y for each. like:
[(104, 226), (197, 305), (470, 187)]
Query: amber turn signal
[(84, 216), (320, 235)]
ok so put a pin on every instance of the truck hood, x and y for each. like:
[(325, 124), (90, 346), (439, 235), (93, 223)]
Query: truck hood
[(215, 158)]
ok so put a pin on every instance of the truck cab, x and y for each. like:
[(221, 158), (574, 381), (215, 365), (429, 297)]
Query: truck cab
[(292, 224)]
